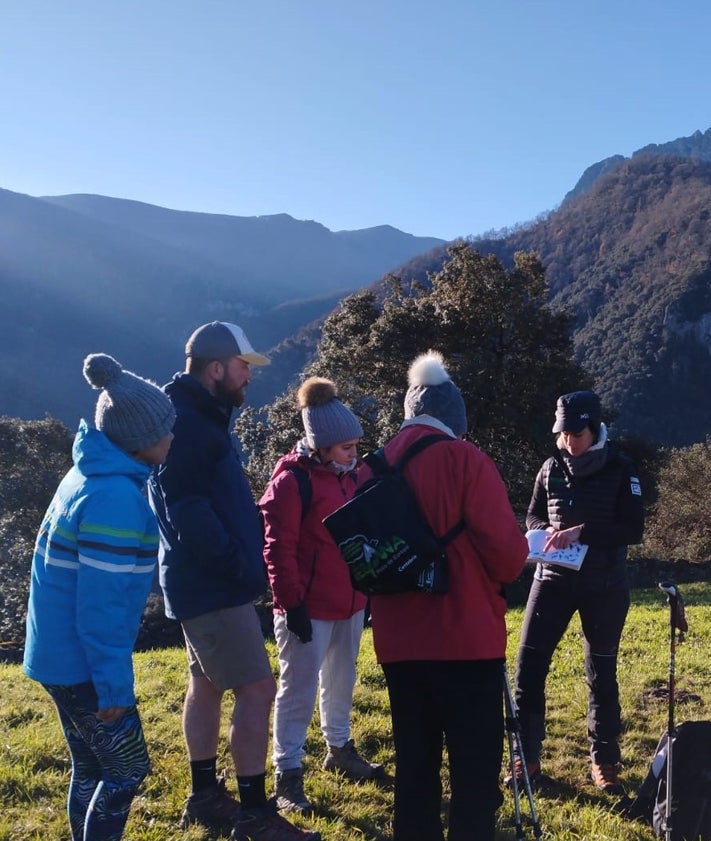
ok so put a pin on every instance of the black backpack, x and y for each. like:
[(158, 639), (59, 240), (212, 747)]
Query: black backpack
[(691, 785), (384, 537)]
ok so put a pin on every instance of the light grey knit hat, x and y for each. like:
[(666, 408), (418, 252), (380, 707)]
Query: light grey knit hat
[(132, 412), (433, 393), (326, 420)]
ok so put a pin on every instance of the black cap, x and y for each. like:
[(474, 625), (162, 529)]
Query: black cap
[(576, 410)]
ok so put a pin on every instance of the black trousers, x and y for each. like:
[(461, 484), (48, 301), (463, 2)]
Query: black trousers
[(458, 704), (602, 599)]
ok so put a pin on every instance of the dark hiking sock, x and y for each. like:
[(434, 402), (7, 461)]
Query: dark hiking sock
[(203, 773), (252, 791)]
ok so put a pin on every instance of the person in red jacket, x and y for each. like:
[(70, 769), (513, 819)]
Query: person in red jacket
[(318, 616), (443, 655)]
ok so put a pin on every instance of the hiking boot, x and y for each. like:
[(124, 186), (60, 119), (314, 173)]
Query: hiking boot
[(264, 823), (213, 808), (289, 791), (606, 778), (533, 769), (348, 761)]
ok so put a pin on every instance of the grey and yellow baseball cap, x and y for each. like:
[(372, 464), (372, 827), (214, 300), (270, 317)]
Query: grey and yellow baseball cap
[(220, 340)]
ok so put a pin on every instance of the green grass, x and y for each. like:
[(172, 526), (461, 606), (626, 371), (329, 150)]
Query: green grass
[(34, 765)]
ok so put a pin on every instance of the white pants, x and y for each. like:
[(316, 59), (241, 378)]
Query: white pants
[(328, 662)]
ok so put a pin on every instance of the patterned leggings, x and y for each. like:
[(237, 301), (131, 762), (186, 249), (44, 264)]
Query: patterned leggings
[(109, 761)]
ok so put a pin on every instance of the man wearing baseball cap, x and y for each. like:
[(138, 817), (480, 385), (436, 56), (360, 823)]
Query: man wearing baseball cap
[(211, 571), (220, 338)]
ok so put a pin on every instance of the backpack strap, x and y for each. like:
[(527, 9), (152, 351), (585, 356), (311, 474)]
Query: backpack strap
[(303, 480), (378, 464), (449, 536), (419, 445)]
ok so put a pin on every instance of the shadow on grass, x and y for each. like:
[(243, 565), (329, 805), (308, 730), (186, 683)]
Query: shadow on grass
[(550, 789)]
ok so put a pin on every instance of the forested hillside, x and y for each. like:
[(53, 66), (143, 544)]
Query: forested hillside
[(628, 254), (631, 260)]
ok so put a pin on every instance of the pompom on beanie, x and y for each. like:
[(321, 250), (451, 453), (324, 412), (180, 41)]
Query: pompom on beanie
[(132, 412), (326, 420), (432, 392)]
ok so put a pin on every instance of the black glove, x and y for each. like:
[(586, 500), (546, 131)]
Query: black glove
[(299, 623)]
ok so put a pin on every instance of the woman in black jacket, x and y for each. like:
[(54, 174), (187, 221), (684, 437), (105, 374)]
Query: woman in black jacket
[(588, 492)]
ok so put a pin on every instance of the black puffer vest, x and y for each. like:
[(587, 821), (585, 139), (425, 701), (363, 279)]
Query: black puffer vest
[(588, 499), (592, 500)]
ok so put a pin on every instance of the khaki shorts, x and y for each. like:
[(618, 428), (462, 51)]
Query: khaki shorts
[(227, 646)]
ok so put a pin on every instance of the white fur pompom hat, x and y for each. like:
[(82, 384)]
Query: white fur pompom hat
[(433, 393)]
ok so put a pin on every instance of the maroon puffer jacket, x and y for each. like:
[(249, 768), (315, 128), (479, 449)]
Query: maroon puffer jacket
[(303, 562)]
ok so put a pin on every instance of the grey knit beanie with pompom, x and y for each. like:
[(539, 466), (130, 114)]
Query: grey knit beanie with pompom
[(326, 420), (433, 393), (132, 412)]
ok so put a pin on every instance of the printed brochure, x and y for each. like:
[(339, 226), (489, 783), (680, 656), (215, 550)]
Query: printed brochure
[(572, 557)]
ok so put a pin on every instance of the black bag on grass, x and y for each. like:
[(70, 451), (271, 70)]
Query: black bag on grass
[(384, 537), (691, 797)]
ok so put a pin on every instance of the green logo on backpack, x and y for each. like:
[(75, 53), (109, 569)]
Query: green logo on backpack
[(369, 560)]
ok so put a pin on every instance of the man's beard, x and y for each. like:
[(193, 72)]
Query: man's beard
[(234, 397)]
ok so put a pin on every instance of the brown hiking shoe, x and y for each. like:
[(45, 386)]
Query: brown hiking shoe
[(213, 808), (606, 778), (533, 769), (289, 791), (351, 764), (264, 823)]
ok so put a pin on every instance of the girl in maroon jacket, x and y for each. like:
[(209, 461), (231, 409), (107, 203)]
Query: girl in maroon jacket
[(443, 655), (318, 616)]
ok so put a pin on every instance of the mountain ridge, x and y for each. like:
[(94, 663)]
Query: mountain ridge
[(629, 255), (244, 244), (696, 145), (83, 274), (631, 259)]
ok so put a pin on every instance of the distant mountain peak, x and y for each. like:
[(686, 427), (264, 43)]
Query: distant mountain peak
[(698, 145)]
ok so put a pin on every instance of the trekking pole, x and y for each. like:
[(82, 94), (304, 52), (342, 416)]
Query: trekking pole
[(513, 733), (677, 621)]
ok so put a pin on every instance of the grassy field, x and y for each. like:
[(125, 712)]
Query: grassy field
[(34, 766)]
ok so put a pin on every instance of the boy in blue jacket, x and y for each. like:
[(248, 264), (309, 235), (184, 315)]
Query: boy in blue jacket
[(92, 571)]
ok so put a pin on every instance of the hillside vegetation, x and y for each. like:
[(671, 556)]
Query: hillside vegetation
[(628, 254), (34, 766), (515, 359), (630, 260), (509, 354), (635, 270)]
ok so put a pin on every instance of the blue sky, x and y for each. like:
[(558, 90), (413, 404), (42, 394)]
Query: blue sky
[(440, 118)]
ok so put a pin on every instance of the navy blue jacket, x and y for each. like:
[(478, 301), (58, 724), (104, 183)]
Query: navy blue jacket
[(211, 536)]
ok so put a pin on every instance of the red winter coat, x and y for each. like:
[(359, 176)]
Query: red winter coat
[(453, 480), (303, 562)]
